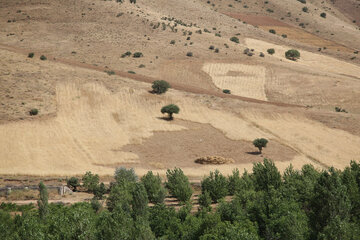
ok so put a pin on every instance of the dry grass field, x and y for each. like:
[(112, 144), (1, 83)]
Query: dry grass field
[(96, 111)]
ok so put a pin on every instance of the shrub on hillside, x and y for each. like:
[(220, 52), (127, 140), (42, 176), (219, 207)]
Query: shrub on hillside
[(323, 15), (271, 51), (211, 47), (31, 55), (160, 86), (33, 111), (43, 58), (292, 54), (226, 91), (272, 31), (305, 9), (189, 54), (172, 42), (234, 39), (284, 35), (216, 185), (155, 191), (205, 201), (178, 184), (137, 55)]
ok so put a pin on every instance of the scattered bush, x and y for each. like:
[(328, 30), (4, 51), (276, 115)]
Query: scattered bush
[(111, 72), (31, 55), (170, 110), (205, 201), (271, 51), (272, 31), (131, 72), (178, 185), (127, 54), (141, 66), (172, 42), (305, 9), (269, 10), (211, 47), (33, 112), (234, 39), (284, 35), (292, 54), (42, 58), (216, 50), (189, 54), (262, 54), (155, 191), (339, 109), (323, 15), (260, 143), (302, 1), (216, 185), (99, 191), (137, 55), (160, 86), (226, 91), (73, 183)]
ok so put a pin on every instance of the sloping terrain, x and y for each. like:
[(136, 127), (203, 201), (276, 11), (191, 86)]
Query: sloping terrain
[(96, 112)]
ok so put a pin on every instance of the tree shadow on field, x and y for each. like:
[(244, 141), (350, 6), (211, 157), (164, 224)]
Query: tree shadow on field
[(165, 119), (254, 153)]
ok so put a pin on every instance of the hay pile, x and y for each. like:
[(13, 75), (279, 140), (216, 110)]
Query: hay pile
[(214, 160)]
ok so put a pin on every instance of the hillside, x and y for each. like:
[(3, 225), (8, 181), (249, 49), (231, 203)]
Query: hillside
[(96, 112)]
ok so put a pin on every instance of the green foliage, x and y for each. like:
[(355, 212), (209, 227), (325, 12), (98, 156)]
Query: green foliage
[(284, 35), (139, 200), (99, 191), (339, 109), (73, 183), (216, 185), (266, 175), (137, 55), (43, 201), (123, 175), (90, 181), (305, 9), (178, 185), (292, 54), (189, 54), (155, 191), (31, 55), (272, 31), (260, 143), (170, 110), (42, 58), (160, 86), (234, 39), (127, 54), (205, 200), (271, 51), (323, 15), (172, 42), (33, 112), (226, 91)]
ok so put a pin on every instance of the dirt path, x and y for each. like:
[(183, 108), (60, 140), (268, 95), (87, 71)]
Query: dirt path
[(142, 78)]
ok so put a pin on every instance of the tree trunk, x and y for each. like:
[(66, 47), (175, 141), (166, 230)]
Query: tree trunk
[(170, 116)]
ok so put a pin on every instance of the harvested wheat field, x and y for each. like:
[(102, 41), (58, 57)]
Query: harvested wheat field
[(96, 111)]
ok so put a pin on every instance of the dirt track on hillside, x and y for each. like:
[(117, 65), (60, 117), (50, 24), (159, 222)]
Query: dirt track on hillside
[(142, 78)]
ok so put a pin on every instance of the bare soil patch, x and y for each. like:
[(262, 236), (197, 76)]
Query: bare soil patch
[(180, 148)]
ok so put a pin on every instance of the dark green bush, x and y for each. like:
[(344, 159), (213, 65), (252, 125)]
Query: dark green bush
[(33, 111), (260, 143), (31, 55), (160, 86), (272, 31), (189, 54), (137, 55), (292, 54), (172, 42), (323, 15), (43, 58), (90, 181), (73, 183), (234, 39), (226, 91), (305, 9), (271, 51)]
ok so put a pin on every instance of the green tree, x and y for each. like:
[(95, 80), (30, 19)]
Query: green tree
[(216, 185), (43, 201), (170, 110), (99, 191), (160, 86), (178, 184), (155, 191), (205, 201), (271, 51), (234, 39), (292, 54), (260, 143), (139, 200), (90, 181), (73, 183), (265, 175), (125, 175)]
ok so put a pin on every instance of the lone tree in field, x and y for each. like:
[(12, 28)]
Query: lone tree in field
[(160, 86), (260, 143), (292, 54), (170, 110)]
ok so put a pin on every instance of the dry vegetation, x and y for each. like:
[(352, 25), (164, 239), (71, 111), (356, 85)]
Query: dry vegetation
[(90, 120)]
